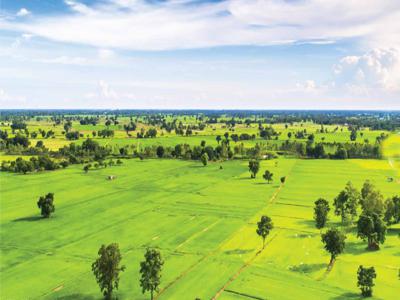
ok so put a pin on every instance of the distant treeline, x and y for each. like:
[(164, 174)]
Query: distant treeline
[(377, 120), (91, 151)]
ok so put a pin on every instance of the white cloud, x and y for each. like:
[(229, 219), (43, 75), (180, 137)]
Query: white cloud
[(140, 25), (23, 12), (104, 92), (376, 70), (21, 39), (105, 53)]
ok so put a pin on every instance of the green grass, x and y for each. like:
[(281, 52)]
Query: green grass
[(202, 219)]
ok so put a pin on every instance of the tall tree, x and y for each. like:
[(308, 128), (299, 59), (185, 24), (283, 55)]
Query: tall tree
[(392, 210), (107, 269), (46, 205), (334, 243), (372, 202), (268, 176), (346, 202), (321, 210), (150, 270), (254, 167), (365, 280), (264, 226), (204, 158), (372, 228)]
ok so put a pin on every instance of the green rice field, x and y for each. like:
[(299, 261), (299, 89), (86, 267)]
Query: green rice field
[(203, 221)]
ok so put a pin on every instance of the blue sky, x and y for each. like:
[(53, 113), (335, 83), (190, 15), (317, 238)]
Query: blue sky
[(294, 54)]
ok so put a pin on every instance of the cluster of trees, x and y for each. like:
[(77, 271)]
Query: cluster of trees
[(89, 121), (105, 133), (343, 150), (376, 214), (150, 133), (372, 223), (72, 135), (40, 163), (107, 269), (101, 164)]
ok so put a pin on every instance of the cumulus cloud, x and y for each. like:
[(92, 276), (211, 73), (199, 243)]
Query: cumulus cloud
[(148, 25), (23, 12), (376, 70), (104, 92)]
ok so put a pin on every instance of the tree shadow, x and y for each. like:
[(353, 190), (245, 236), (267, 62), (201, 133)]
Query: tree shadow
[(77, 297), (309, 223), (347, 295), (246, 178), (393, 231), (356, 248), (307, 268), (28, 219), (238, 251)]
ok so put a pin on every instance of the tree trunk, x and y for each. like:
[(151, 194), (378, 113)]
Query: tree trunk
[(331, 262), (151, 293)]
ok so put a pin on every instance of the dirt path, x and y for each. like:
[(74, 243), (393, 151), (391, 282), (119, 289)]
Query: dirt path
[(242, 268), (251, 260), (248, 263)]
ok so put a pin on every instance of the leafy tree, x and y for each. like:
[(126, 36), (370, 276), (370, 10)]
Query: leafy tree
[(46, 205), (264, 226), (371, 228), (254, 167), (346, 202), (334, 243), (204, 158), (283, 179), (365, 280), (86, 168), (372, 201), (268, 176), (150, 270), (392, 210), (366, 189), (353, 135), (321, 210), (160, 151), (218, 138), (107, 269)]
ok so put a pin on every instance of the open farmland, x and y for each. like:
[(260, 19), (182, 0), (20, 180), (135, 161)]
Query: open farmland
[(202, 219)]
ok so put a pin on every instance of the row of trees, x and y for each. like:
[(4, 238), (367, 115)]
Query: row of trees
[(107, 269)]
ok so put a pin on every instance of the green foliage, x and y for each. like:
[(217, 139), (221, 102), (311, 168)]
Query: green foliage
[(254, 167), (392, 210), (334, 242), (106, 268), (46, 205), (372, 228), (204, 159), (264, 226), (321, 210), (150, 270), (365, 280), (346, 202), (268, 176), (371, 199)]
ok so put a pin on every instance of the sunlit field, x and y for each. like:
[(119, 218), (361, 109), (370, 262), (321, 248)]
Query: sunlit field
[(202, 219)]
